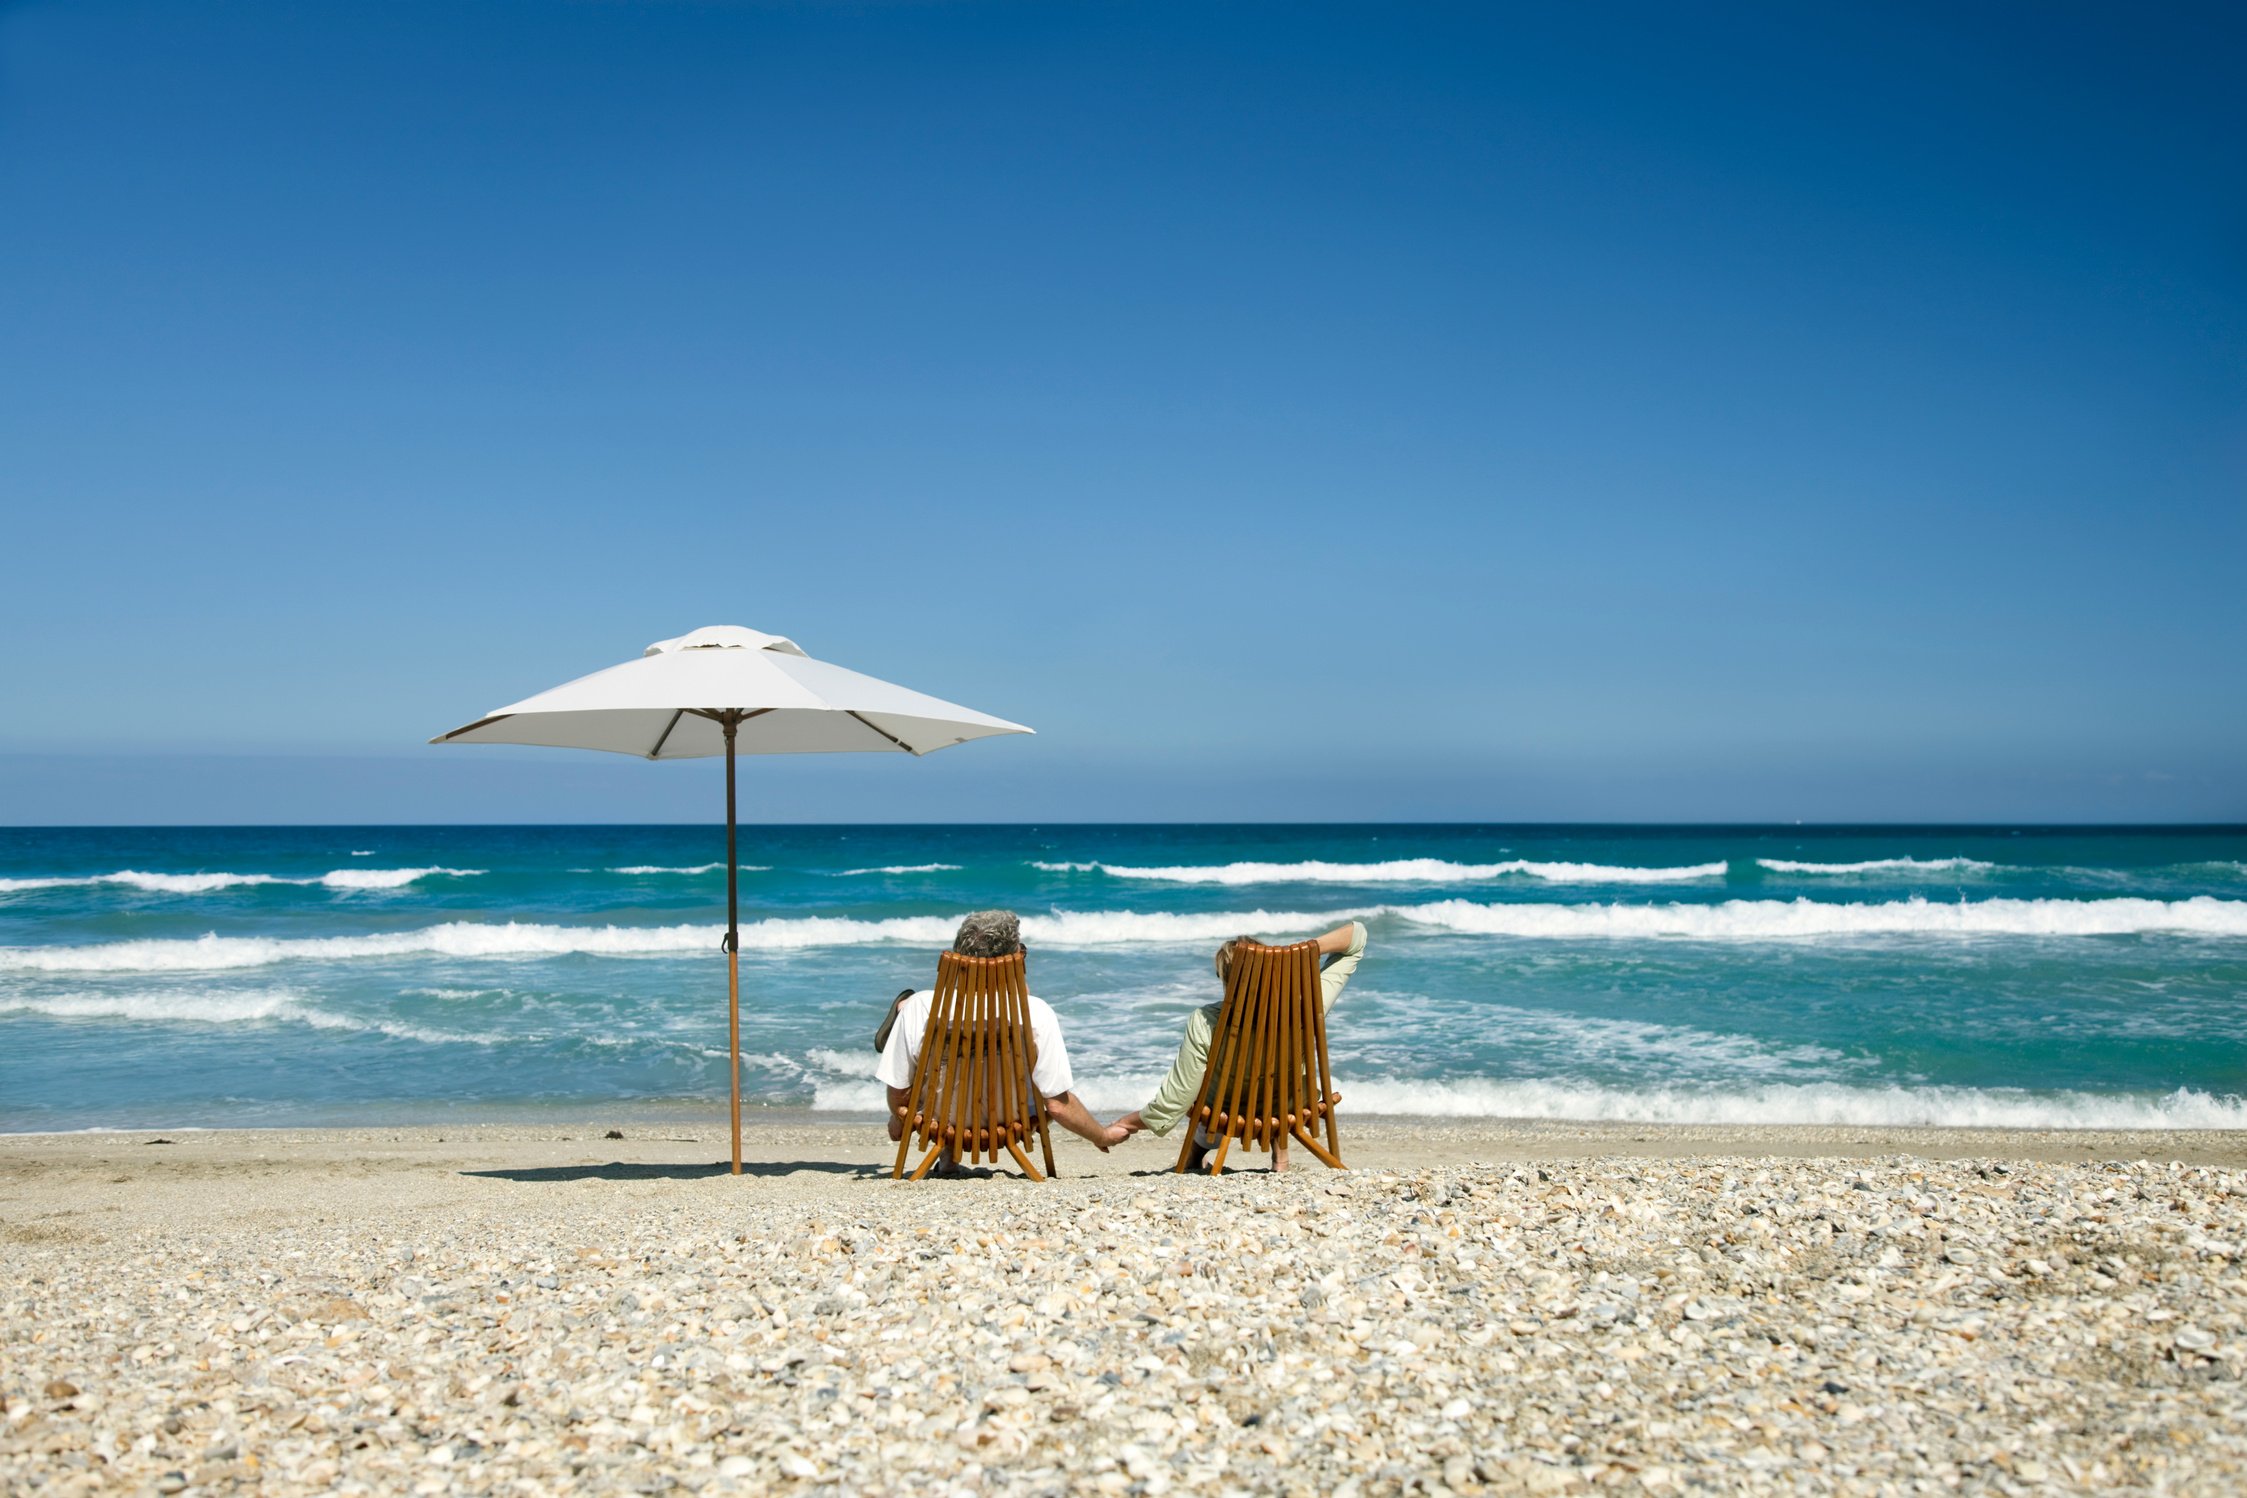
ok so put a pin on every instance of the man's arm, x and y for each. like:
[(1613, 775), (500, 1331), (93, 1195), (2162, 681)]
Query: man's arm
[(1072, 1115), (899, 1098)]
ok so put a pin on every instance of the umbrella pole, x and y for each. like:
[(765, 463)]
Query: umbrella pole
[(733, 948)]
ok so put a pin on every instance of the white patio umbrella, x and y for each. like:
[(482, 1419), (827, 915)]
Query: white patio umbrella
[(728, 690)]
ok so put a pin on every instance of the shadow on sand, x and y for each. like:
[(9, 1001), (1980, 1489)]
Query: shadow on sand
[(620, 1170)]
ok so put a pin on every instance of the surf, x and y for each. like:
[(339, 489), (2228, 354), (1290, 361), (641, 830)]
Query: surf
[(1394, 871), (203, 884)]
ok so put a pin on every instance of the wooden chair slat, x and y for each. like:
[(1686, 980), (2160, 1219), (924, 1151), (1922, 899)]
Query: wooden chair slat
[(971, 1066), (1240, 1036), (1235, 1120), (975, 1097)]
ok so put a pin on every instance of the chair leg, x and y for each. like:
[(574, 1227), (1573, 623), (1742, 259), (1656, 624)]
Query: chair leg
[(927, 1160), (1024, 1161), (1333, 1160), (1186, 1146), (1217, 1161)]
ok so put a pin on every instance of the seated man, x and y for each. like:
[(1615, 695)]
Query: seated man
[(990, 933), (1339, 951)]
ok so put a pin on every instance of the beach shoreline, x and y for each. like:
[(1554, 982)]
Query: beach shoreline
[(1475, 1306)]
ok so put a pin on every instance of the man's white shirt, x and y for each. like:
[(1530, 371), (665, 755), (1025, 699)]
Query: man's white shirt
[(1050, 1076)]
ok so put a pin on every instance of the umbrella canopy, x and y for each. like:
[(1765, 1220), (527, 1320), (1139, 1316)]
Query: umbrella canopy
[(728, 690), (671, 703)]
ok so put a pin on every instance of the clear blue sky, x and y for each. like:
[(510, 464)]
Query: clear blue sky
[(1293, 411)]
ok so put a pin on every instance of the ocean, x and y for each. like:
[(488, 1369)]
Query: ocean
[(2029, 977)]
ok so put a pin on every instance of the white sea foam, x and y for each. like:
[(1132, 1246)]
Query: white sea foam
[(225, 1007), (1395, 871), (193, 1006), (1880, 866), (1678, 1050), (389, 878), (843, 1063), (1732, 920), (464, 939), (1829, 1103), (1769, 920), (453, 939), (699, 868), (901, 868), (1833, 1104), (198, 884)]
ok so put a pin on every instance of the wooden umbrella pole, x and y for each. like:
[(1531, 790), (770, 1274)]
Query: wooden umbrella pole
[(732, 724)]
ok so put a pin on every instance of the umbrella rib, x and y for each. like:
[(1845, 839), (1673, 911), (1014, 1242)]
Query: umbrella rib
[(471, 728), (893, 738), (665, 737)]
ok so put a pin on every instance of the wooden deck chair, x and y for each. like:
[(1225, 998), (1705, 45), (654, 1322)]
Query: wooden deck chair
[(1267, 1077), (971, 1085)]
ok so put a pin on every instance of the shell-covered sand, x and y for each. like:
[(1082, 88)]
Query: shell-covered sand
[(1512, 1309)]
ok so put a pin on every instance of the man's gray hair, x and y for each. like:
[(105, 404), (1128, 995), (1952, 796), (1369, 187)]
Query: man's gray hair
[(989, 933)]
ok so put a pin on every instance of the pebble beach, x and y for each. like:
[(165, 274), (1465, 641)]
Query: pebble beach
[(1528, 1308)]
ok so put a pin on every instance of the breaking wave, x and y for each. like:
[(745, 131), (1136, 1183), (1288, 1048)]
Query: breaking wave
[(902, 868), (226, 1007), (465, 939), (1772, 920), (699, 868), (1880, 866), (199, 884), (1831, 1103), (1731, 920), (1394, 871), (1828, 1103)]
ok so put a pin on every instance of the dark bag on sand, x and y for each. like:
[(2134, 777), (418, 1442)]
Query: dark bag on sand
[(889, 1020)]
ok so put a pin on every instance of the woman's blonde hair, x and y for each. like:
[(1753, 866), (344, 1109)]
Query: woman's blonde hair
[(1224, 959)]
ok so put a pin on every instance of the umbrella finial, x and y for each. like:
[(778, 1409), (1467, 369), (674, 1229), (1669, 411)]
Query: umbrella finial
[(725, 637)]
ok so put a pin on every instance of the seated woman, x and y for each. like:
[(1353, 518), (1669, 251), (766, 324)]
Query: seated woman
[(990, 933), (1339, 953)]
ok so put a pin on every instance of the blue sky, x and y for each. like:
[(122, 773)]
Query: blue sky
[(1293, 411)]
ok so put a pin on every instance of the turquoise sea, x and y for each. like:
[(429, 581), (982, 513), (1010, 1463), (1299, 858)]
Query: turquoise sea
[(238, 976)]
